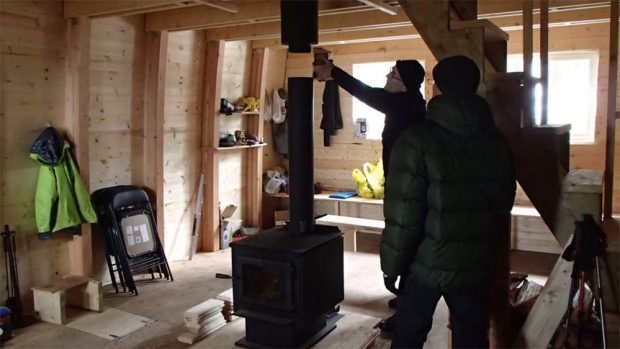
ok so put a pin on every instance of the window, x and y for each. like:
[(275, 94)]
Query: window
[(572, 90), (372, 74)]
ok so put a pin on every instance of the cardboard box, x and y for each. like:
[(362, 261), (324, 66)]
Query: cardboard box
[(280, 217), (228, 226)]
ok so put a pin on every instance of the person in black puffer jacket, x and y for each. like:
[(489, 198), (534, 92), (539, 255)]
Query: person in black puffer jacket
[(447, 204)]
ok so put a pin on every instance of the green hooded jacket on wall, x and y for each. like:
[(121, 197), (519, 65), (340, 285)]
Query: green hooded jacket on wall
[(61, 199)]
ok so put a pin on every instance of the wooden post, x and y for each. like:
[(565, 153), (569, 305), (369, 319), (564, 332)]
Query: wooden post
[(153, 122), (544, 58), (214, 63), (77, 109), (254, 162), (611, 111), (528, 52)]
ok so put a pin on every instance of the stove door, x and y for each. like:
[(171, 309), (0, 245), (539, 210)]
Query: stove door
[(265, 283)]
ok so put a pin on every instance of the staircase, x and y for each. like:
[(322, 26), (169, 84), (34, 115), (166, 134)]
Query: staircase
[(450, 27), (541, 153)]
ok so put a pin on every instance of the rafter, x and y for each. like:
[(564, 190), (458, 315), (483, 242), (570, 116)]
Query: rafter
[(354, 27), (97, 8), (380, 5), (264, 11), (221, 5), (251, 11)]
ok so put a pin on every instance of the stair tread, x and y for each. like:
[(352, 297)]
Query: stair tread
[(491, 31)]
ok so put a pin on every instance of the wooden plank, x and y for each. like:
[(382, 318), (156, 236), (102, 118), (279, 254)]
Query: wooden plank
[(544, 59), (352, 331), (221, 5), (152, 166), (86, 296), (528, 54), (612, 85), (352, 222), (380, 5), (214, 62), (254, 162), (204, 17), (77, 122), (81, 8), (549, 309), (49, 306), (269, 11)]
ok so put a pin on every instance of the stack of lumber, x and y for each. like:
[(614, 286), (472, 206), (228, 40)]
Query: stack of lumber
[(227, 298), (202, 320)]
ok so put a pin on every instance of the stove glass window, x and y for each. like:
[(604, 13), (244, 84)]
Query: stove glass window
[(264, 282)]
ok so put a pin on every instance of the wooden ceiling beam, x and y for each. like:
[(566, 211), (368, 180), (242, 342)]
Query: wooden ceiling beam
[(98, 8), (250, 11), (327, 24), (221, 5), (380, 5), (354, 27), (264, 11)]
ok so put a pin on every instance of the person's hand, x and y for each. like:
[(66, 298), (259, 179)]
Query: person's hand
[(322, 69), (390, 283)]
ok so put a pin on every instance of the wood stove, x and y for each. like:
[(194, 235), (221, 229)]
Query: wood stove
[(287, 280)]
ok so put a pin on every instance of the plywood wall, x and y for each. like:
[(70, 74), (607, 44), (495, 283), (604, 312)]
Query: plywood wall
[(33, 64), (182, 137), (116, 100), (117, 68), (333, 164), (235, 84)]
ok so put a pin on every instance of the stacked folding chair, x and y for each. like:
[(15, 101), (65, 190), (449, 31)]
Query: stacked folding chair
[(127, 223)]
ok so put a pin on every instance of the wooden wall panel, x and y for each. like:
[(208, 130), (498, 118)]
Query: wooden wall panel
[(32, 93), (117, 72), (235, 84), (182, 136)]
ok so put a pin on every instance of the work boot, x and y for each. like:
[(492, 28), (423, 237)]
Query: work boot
[(393, 303), (387, 325)]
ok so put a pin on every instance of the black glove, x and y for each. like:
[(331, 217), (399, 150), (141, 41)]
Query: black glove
[(390, 283)]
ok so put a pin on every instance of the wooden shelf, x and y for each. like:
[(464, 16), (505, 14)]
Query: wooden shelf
[(241, 147), (242, 113)]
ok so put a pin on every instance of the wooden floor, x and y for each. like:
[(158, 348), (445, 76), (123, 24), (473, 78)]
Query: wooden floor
[(195, 282)]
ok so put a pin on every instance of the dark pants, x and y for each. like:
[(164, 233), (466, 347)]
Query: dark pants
[(414, 318)]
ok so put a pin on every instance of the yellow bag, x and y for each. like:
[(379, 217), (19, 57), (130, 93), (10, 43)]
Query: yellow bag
[(370, 181)]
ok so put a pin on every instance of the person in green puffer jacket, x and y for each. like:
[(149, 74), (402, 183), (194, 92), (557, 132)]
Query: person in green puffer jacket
[(61, 199), (452, 186)]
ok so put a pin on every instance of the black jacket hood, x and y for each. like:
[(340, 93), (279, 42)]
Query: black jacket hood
[(49, 146)]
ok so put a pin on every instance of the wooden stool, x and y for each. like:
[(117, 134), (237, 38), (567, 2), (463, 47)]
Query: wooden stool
[(79, 291)]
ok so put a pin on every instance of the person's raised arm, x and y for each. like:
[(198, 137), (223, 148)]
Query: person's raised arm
[(374, 97)]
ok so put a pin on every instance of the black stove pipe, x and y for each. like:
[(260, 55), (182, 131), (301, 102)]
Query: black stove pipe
[(301, 155)]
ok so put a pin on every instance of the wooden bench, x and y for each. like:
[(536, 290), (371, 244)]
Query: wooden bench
[(349, 227), (529, 232), (50, 300)]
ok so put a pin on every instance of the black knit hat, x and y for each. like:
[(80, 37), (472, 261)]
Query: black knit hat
[(457, 76), (411, 73)]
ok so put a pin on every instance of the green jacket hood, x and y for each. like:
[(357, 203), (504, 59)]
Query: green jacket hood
[(49, 148), (468, 117)]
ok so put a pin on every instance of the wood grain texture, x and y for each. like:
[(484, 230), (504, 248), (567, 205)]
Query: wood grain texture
[(182, 138), (33, 60), (214, 61)]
